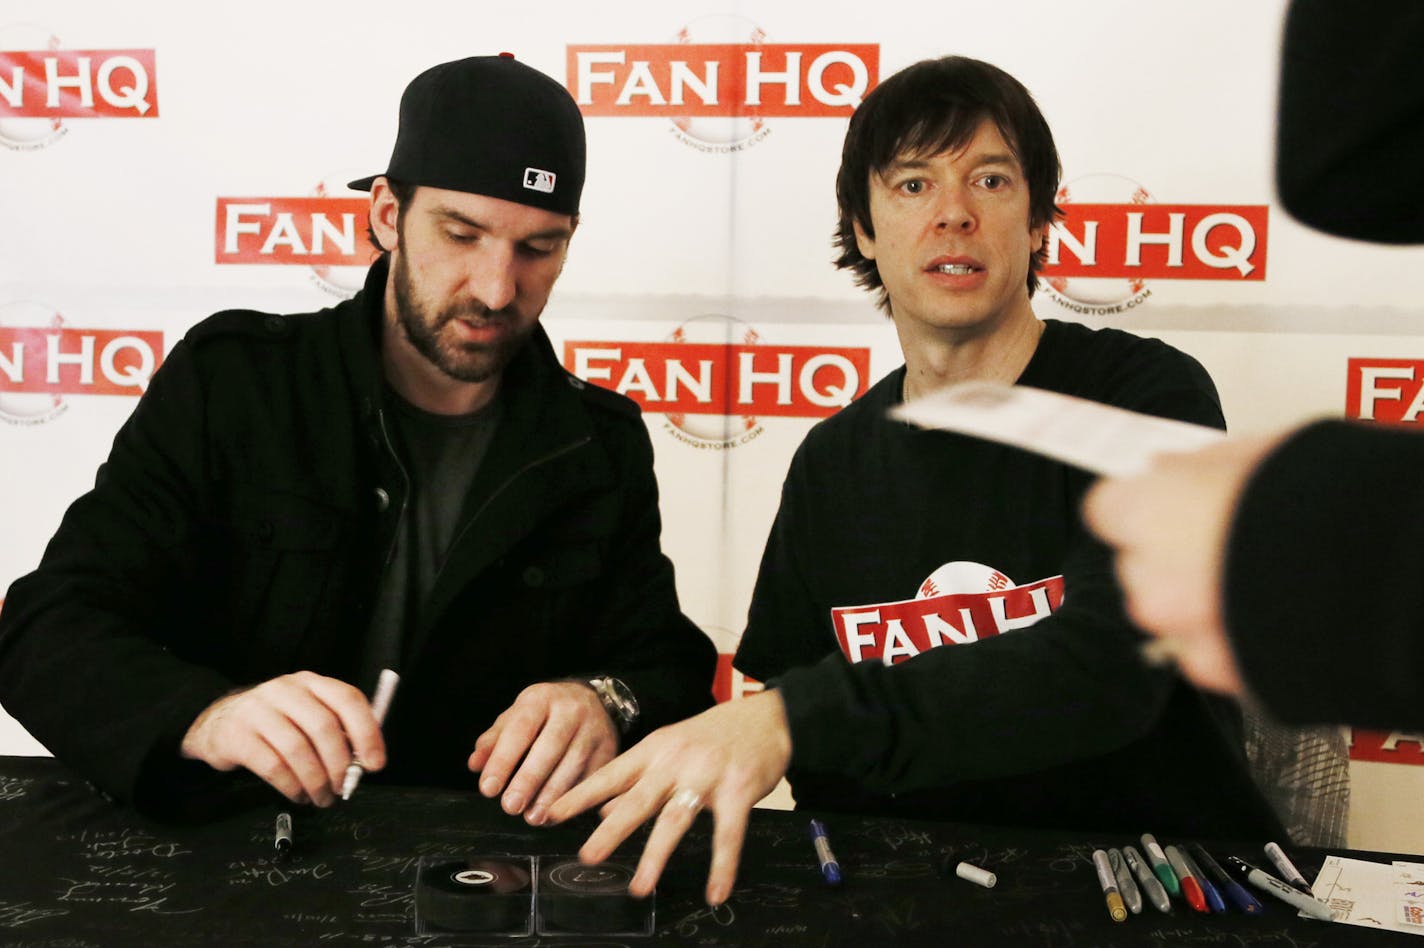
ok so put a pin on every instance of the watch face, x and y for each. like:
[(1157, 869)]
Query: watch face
[(617, 700)]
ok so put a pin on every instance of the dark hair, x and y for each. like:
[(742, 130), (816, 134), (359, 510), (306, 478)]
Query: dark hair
[(932, 107), (403, 193)]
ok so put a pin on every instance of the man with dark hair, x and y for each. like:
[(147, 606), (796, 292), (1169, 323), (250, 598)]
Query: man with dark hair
[(908, 673), (407, 480)]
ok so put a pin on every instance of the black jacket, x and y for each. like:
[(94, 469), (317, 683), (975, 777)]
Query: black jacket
[(240, 525)]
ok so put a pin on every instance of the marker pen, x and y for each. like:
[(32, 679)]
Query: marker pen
[(1116, 909), (830, 869), (972, 873), (1160, 864), (1130, 893), (282, 834), (1287, 869), (1191, 889), (1214, 901), (1150, 883), (380, 704), (1269, 883), (1239, 897)]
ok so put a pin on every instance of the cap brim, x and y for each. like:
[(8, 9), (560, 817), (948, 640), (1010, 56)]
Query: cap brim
[(362, 184)]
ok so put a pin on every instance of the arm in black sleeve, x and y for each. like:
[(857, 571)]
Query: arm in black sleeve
[(1351, 124), (1069, 687), (1323, 597), (642, 637), (86, 663)]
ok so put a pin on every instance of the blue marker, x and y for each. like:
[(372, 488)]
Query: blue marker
[(830, 869)]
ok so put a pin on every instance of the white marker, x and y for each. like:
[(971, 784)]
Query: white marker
[(1287, 868), (972, 873), (380, 703)]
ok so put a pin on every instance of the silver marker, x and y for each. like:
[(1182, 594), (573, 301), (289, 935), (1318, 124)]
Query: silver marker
[(1130, 893), (380, 703), (1155, 893), (1269, 883)]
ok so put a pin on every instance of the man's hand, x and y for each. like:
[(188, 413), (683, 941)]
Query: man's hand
[(726, 758), (561, 732), (297, 732), (1169, 527)]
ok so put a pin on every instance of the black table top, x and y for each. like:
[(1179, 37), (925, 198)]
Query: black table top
[(76, 870)]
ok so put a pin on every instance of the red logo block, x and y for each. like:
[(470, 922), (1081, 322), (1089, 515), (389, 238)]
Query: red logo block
[(1385, 390), (1159, 241), (894, 631), (78, 361), (1387, 747), (307, 231), (79, 83), (694, 80), (723, 379)]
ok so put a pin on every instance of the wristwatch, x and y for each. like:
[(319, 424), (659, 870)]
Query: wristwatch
[(617, 700)]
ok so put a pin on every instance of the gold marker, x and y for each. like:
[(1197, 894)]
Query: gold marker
[(1116, 908)]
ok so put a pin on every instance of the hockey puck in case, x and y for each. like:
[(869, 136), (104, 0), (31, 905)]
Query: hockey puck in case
[(473, 895), (574, 898)]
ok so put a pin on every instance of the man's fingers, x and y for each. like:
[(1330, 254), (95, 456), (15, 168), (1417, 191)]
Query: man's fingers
[(515, 737), (317, 726), (484, 744), (635, 808), (577, 762), (677, 815), (554, 742), (602, 785), (353, 712), (1101, 510), (294, 747), (729, 830)]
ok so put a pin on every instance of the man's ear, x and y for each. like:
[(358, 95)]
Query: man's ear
[(385, 212), (863, 241)]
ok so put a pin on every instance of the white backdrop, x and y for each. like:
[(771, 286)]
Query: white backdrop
[(693, 230)]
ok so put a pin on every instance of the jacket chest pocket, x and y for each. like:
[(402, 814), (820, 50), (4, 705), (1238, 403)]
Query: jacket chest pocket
[(286, 566), (560, 570)]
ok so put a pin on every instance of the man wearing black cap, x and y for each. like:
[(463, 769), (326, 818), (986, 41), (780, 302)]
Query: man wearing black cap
[(407, 480)]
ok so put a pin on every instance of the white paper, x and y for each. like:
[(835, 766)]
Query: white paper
[(1085, 434), (1373, 894)]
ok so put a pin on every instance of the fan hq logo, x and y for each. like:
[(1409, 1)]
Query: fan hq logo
[(324, 230), (42, 86), (721, 81), (714, 378), (43, 360), (1114, 237)]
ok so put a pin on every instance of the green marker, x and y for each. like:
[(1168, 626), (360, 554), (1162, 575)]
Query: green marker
[(1160, 864)]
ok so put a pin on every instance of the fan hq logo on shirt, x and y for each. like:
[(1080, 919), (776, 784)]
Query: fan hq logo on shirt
[(721, 81), (959, 603), (42, 360), (42, 85), (324, 230), (1113, 238), (715, 376)]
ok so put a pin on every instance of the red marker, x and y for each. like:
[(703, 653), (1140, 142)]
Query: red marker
[(1191, 889)]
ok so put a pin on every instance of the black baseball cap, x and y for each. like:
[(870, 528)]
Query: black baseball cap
[(490, 125)]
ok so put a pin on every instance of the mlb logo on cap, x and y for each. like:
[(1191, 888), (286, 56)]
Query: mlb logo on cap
[(536, 179)]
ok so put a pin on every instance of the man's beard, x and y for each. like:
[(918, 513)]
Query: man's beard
[(461, 360)]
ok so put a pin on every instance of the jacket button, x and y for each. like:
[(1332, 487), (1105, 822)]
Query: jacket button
[(275, 323), (383, 500), (533, 576)]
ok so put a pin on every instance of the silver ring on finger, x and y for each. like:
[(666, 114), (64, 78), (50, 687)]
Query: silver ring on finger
[(687, 799)]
